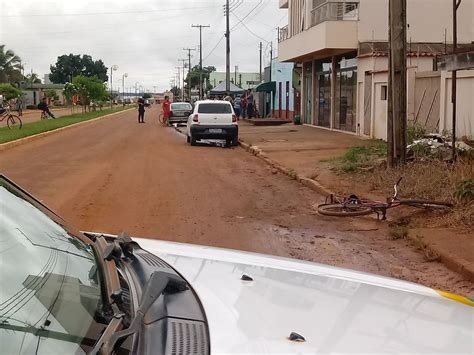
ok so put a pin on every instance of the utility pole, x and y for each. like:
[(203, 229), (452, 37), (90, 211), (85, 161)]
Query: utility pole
[(227, 57), (235, 74), (189, 69), (200, 58), (397, 119), (454, 76), (261, 74), (183, 61), (178, 79)]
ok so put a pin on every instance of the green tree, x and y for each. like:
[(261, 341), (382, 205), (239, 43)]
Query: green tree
[(147, 95), (89, 89), (9, 91), (69, 91), (176, 92), (32, 78), (70, 66), (10, 66), (52, 94), (194, 74)]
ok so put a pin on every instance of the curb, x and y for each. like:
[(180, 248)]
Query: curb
[(312, 184), (461, 266), (21, 141)]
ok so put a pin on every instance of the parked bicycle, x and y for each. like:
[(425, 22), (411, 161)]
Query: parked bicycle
[(13, 121), (353, 206)]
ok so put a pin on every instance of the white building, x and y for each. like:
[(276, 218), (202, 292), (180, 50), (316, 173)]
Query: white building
[(341, 47)]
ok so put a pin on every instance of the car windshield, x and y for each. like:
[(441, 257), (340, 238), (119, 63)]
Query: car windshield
[(49, 288), (215, 108), (181, 106)]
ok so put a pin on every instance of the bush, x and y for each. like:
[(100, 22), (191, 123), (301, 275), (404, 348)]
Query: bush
[(415, 131), (465, 190)]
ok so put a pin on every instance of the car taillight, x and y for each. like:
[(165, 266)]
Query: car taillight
[(196, 118), (234, 118)]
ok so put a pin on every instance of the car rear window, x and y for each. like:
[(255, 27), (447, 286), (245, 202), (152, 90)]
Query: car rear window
[(215, 108), (183, 106)]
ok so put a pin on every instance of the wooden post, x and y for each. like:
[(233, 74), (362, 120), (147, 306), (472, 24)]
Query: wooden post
[(456, 4), (398, 83)]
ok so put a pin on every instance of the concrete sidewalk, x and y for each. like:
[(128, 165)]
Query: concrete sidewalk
[(299, 152)]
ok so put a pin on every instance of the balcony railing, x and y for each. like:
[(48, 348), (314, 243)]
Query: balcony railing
[(283, 34), (334, 11)]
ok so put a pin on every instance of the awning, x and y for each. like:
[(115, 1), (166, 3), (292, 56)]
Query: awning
[(266, 87)]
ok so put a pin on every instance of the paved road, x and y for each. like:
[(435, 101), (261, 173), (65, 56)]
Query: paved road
[(116, 175)]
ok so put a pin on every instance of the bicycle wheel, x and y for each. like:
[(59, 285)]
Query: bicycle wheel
[(440, 205), (14, 122), (344, 210)]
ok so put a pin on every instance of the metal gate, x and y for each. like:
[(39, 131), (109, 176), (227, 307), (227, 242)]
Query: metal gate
[(427, 104)]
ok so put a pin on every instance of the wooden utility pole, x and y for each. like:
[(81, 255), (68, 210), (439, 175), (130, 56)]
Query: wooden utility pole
[(189, 69), (454, 77), (261, 75), (227, 57), (397, 99), (200, 58), (183, 61)]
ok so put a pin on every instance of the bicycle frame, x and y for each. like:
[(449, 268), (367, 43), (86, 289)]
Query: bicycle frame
[(379, 207)]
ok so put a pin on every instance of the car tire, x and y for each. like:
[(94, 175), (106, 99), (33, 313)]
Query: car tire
[(192, 140), (188, 140), (235, 141)]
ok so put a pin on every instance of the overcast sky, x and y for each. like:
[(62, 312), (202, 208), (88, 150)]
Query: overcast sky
[(144, 38)]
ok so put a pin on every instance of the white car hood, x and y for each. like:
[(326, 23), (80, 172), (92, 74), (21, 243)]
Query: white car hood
[(336, 310)]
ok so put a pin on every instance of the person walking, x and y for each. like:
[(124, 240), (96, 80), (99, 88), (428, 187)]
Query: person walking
[(141, 110), (19, 106)]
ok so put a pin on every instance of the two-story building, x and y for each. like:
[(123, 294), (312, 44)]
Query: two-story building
[(342, 47)]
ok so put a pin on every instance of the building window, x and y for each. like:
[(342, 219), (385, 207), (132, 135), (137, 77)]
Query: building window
[(383, 95)]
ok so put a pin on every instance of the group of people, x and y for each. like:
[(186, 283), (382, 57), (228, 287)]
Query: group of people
[(244, 105), (166, 106), (18, 104)]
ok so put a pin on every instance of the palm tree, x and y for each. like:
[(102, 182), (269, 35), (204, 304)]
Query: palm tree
[(10, 66)]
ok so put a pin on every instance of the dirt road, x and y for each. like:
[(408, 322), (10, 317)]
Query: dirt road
[(116, 175)]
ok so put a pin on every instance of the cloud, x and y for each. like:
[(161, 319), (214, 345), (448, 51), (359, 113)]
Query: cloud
[(145, 38)]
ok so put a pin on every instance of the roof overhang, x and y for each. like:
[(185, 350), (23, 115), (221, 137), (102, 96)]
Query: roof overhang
[(269, 86)]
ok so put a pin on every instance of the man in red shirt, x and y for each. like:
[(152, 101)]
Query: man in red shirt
[(166, 110)]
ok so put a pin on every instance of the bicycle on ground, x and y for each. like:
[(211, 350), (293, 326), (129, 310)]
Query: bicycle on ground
[(13, 121), (353, 206)]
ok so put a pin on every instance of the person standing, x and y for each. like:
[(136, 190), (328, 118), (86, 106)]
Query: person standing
[(19, 106), (166, 110), (243, 105), (250, 104), (237, 106), (141, 110)]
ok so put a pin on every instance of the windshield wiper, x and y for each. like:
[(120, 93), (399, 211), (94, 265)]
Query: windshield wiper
[(160, 282), (111, 290)]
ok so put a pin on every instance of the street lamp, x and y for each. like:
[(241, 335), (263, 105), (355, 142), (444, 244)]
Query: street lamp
[(112, 68), (123, 88)]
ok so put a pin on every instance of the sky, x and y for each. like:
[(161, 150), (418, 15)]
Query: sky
[(144, 38)]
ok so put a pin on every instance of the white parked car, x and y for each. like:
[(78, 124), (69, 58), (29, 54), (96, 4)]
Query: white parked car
[(213, 119), (67, 292)]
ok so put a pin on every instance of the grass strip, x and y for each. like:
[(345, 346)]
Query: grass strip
[(37, 127)]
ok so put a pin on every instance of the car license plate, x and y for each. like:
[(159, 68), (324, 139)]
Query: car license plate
[(215, 130)]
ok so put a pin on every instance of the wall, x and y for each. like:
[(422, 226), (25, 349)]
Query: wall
[(217, 77), (465, 103), (436, 16)]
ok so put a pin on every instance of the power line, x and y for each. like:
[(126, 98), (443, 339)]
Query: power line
[(248, 29), (248, 14), (110, 12)]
